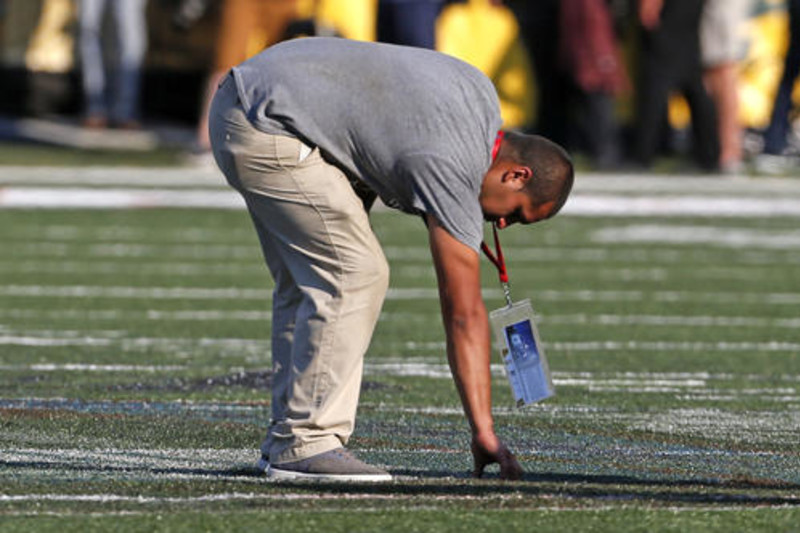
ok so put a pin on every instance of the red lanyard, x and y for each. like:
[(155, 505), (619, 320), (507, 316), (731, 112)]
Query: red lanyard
[(500, 262)]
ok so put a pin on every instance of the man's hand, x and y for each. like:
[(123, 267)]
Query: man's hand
[(490, 450)]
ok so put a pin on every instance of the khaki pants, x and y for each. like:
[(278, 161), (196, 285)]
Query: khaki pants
[(330, 278)]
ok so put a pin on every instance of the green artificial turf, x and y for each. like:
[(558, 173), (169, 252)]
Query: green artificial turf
[(135, 382)]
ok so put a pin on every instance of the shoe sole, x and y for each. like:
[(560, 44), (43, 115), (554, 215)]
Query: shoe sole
[(290, 475)]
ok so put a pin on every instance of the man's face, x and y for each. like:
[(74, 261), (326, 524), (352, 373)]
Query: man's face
[(504, 199), (516, 208)]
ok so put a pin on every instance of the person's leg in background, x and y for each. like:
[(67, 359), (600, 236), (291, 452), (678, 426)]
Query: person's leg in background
[(92, 66), (598, 124), (722, 47), (538, 23), (777, 132), (651, 107), (409, 22), (705, 131), (130, 21)]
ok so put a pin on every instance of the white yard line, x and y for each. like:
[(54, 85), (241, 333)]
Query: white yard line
[(751, 506), (580, 204), (232, 346), (89, 367), (190, 178), (146, 253), (227, 293), (119, 198), (242, 315), (680, 206), (710, 236)]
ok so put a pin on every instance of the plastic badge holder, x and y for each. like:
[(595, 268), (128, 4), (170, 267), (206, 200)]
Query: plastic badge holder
[(526, 366)]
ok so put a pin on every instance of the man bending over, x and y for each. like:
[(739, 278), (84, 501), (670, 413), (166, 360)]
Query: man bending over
[(310, 132)]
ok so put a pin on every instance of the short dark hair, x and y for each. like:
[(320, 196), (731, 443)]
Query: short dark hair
[(553, 172)]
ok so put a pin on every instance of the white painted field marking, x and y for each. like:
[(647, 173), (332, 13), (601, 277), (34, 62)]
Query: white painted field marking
[(711, 236), (119, 268), (240, 346), (229, 293), (680, 206), (746, 427), (630, 183), (242, 315), (145, 253), (119, 198), (746, 506), (193, 177), (88, 367), (701, 321), (117, 234), (190, 293), (162, 177), (137, 250), (140, 406), (221, 315), (580, 204)]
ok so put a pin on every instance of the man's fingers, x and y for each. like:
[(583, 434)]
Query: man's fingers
[(510, 468), (481, 459), (478, 471)]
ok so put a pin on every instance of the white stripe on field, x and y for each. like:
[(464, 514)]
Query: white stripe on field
[(621, 183), (578, 205), (599, 182), (226, 293), (210, 498), (116, 234), (671, 206), (703, 321), (81, 198), (184, 269), (398, 254), (115, 176), (87, 367), (149, 314), (694, 321), (711, 236), (231, 346)]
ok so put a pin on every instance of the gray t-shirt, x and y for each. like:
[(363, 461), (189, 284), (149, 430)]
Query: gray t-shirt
[(416, 126)]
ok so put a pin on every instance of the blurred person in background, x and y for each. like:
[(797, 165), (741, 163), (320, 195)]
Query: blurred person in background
[(539, 28), (246, 27), (723, 46), (409, 22), (49, 58), (112, 98), (590, 55), (670, 60), (774, 159)]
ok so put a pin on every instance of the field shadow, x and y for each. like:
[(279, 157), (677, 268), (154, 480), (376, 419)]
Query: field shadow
[(584, 487), (449, 484)]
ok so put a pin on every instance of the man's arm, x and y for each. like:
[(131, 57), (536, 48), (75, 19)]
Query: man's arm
[(468, 346)]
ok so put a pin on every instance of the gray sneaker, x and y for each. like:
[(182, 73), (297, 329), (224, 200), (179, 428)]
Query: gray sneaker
[(335, 465)]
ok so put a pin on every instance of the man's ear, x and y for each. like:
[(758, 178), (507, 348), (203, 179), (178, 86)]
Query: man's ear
[(518, 175)]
